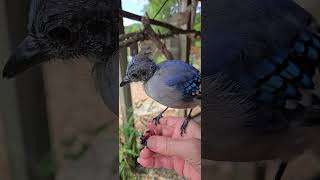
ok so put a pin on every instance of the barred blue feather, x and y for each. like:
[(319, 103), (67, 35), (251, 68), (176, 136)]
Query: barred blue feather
[(280, 76), (193, 86), (261, 80)]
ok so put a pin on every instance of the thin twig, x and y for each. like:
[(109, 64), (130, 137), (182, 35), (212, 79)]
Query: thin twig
[(128, 39), (123, 37), (154, 17)]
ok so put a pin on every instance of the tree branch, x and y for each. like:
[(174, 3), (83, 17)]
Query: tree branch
[(130, 38), (158, 23), (154, 37)]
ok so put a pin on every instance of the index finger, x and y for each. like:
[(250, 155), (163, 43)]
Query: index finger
[(168, 125), (166, 121)]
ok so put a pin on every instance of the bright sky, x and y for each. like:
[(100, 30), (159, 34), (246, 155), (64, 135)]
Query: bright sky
[(134, 6)]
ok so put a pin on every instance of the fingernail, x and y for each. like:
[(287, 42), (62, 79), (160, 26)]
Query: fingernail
[(138, 160)]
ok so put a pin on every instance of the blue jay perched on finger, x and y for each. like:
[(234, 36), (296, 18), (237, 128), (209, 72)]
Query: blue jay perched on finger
[(261, 80), (68, 30), (172, 83)]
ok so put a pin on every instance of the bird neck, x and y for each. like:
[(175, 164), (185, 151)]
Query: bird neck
[(155, 69)]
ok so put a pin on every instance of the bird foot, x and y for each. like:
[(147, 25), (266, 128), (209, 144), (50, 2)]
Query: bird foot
[(146, 135), (183, 128), (156, 120)]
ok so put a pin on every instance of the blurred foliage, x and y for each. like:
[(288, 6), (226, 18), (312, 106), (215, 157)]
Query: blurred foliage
[(169, 10), (128, 150), (133, 28), (197, 22)]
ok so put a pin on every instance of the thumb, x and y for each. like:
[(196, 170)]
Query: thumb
[(188, 149)]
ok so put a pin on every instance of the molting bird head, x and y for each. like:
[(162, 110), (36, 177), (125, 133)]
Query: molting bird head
[(65, 30), (141, 68)]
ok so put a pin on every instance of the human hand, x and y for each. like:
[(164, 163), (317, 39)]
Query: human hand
[(168, 149)]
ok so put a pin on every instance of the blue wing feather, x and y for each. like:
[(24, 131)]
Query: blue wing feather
[(185, 78), (280, 76)]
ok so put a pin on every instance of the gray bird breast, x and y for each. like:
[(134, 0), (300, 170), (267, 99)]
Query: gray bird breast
[(157, 88)]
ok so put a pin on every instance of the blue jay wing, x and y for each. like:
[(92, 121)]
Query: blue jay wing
[(192, 88), (184, 77), (251, 43), (288, 77), (272, 62), (189, 85), (271, 65), (253, 28), (280, 77)]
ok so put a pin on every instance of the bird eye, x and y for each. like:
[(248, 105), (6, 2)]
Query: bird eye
[(134, 75), (144, 73), (62, 34)]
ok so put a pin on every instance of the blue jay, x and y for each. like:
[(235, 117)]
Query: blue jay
[(67, 30), (261, 80), (172, 83)]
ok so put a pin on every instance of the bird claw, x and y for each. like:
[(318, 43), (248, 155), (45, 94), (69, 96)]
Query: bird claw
[(144, 138), (156, 120), (183, 128)]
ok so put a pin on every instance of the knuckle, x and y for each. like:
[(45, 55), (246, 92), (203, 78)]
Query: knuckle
[(168, 146)]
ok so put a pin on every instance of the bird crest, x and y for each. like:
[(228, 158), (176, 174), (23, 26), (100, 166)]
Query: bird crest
[(144, 54)]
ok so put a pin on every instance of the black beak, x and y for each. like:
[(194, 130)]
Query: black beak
[(25, 56), (124, 82)]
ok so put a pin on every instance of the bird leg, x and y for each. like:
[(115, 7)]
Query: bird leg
[(184, 126), (281, 170), (156, 120)]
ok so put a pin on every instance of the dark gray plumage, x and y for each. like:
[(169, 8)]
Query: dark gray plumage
[(67, 30), (260, 70)]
